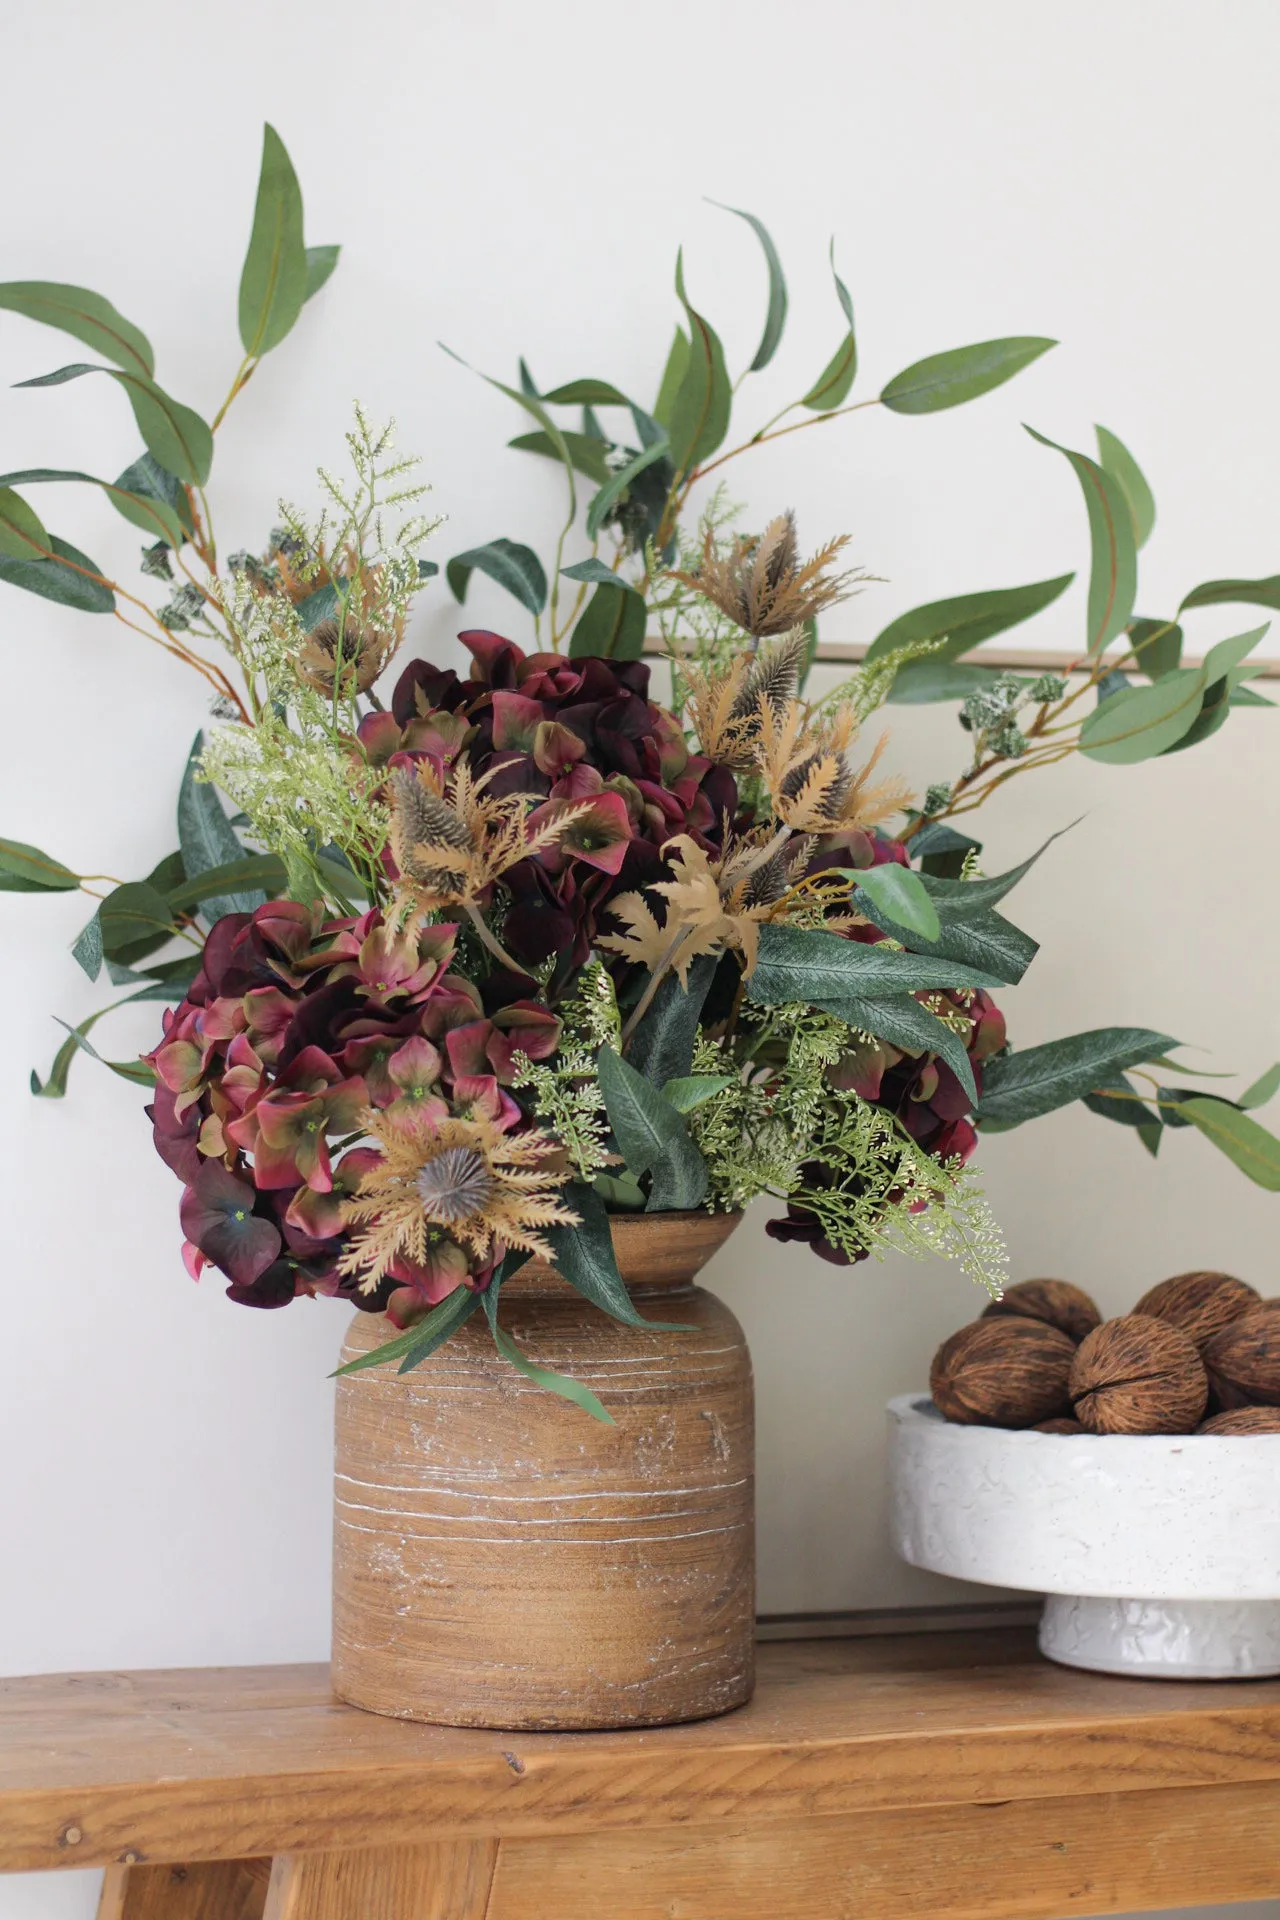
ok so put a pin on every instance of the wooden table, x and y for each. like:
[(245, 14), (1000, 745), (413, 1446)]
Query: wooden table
[(945, 1775)]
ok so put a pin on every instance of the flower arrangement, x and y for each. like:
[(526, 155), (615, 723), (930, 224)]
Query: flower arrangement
[(475, 966)]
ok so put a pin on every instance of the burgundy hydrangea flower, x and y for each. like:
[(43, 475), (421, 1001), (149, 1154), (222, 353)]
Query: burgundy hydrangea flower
[(291, 1031)]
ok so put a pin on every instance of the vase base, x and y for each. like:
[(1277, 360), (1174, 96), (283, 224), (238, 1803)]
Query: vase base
[(1163, 1639)]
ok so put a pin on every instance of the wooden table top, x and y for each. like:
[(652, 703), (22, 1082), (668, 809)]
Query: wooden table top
[(224, 1762)]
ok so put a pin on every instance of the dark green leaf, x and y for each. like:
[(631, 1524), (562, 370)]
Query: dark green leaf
[(700, 411), (597, 573), (672, 377), (776, 311), (178, 437), (25, 869), (900, 894), (260, 872), (651, 1135), (904, 1023), (421, 1339), (55, 1087), (208, 839), (586, 393), (1263, 1089), (982, 940), (1247, 697), (512, 566), (620, 482), (1151, 1137), (611, 626), (84, 315), (831, 388), (1036, 1080), (962, 899), (926, 682), (532, 405), (135, 921), (1117, 1100), (942, 850), (949, 379), (1116, 459), (70, 578), (273, 283), (22, 533), (1113, 578), (967, 620), (1254, 593), (584, 1257), (558, 1383), (1141, 723), (155, 516), (812, 967), (661, 1048), (1255, 1151), (321, 262), (586, 453), (86, 948), (693, 1089), (1157, 646)]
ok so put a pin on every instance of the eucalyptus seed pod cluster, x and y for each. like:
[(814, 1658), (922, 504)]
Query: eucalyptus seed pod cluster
[(1200, 1353)]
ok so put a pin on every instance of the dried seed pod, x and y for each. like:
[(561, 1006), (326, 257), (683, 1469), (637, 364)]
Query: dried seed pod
[(1008, 1372), (1060, 1426), (1057, 1302), (1201, 1304), (1138, 1375), (1243, 1361), (1244, 1420)]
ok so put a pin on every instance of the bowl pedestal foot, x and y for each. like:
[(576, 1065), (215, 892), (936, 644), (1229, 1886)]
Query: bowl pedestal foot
[(1163, 1639)]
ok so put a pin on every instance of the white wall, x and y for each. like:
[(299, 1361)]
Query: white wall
[(513, 178)]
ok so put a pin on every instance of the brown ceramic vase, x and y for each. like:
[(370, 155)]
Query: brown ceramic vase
[(503, 1560)]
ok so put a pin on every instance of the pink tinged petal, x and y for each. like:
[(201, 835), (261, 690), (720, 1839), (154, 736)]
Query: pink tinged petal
[(242, 1054), (193, 1260), (224, 1018), (466, 1047), (211, 1141), (318, 1215), (345, 1103), (480, 1094), (497, 660), (268, 1011), (287, 924), (379, 735), (178, 1065), (578, 783), (673, 750), (516, 720), (309, 1072), (555, 748), (416, 1066), (534, 1029)]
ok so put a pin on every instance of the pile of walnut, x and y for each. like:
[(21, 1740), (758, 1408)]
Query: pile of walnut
[(1199, 1354)]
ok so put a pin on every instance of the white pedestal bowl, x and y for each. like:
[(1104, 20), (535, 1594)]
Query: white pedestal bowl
[(1159, 1555)]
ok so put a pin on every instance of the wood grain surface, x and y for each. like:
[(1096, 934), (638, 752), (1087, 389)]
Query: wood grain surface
[(449, 1882), (1094, 1855), (233, 1763), (503, 1560), (211, 1890)]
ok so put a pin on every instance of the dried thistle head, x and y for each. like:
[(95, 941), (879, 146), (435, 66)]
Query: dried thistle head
[(489, 1188), (451, 839), (725, 706), (343, 652), (810, 781), (763, 586)]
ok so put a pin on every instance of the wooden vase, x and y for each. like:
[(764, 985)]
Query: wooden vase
[(503, 1560)]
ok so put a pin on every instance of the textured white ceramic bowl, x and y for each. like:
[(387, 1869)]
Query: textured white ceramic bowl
[(1159, 1554)]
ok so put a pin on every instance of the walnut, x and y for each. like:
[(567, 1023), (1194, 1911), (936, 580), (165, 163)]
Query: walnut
[(1138, 1375), (1006, 1372), (1244, 1420), (1243, 1361), (1060, 1426), (1201, 1304), (1056, 1302)]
